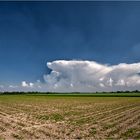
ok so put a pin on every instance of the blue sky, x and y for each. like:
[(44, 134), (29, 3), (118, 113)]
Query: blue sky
[(34, 33)]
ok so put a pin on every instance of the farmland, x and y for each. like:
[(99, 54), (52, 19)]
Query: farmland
[(70, 116)]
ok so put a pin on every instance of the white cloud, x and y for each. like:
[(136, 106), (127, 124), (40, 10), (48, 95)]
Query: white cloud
[(31, 84), (67, 76), (24, 84), (83, 76)]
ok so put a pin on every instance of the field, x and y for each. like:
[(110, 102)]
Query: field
[(70, 116)]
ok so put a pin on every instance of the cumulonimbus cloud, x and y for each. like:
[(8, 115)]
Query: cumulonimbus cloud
[(84, 76), (90, 76)]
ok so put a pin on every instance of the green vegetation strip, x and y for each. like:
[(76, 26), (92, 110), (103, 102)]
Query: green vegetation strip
[(131, 94)]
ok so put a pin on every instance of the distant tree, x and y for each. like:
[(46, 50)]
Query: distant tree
[(136, 91)]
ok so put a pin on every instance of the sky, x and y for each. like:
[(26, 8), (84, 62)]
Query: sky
[(49, 46)]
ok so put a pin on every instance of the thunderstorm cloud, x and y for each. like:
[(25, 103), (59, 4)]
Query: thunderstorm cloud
[(83, 76), (88, 76)]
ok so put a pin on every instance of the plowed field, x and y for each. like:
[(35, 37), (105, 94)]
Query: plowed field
[(69, 117)]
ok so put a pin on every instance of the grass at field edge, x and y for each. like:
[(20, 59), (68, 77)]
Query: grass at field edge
[(78, 94)]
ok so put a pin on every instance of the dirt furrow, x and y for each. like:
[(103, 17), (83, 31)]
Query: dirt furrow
[(101, 115), (123, 124), (95, 111), (118, 115)]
